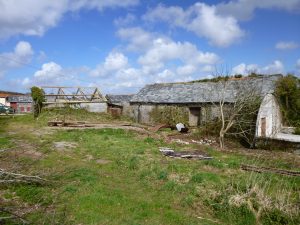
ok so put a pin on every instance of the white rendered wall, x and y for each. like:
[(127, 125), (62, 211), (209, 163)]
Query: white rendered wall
[(3, 101), (269, 109)]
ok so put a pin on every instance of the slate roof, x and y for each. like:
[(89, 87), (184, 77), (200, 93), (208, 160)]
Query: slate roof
[(21, 98), (4, 94), (202, 92), (115, 99)]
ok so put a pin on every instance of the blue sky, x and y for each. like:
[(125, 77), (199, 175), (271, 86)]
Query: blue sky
[(120, 46)]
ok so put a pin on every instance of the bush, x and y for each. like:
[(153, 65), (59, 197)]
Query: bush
[(288, 93), (297, 131), (38, 97), (210, 128)]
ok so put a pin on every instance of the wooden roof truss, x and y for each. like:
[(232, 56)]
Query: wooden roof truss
[(72, 95)]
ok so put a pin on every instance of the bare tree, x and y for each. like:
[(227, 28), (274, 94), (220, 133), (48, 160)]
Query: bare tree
[(238, 100)]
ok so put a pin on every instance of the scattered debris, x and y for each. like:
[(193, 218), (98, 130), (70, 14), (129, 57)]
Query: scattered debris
[(11, 216), (179, 141), (186, 154), (270, 170), (204, 141), (297, 152), (13, 178)]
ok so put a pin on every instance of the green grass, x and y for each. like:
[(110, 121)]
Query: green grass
[(114, 176)]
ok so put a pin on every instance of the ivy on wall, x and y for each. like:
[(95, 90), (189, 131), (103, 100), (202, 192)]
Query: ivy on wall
[(170, 115)]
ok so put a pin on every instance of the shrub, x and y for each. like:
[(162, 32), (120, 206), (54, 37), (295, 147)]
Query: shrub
[(38, 97), (288, 93), (133, 163)]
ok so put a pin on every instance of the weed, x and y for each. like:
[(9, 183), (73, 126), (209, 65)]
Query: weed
[(162, 175), (205, 177), (133, 163), (34, 194)]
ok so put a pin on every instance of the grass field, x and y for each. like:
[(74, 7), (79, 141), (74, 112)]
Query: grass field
[(114, 176)]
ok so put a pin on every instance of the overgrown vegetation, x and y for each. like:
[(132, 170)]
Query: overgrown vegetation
[(38, 97), (170, 115), (288, 94), (113, 176)]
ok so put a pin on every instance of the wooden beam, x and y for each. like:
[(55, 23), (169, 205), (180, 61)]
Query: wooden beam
[(56, 87), (68, 94), (71, 102)]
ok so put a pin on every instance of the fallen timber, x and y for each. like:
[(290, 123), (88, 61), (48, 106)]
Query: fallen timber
[(13, 178), (184, 155), (270, 170)]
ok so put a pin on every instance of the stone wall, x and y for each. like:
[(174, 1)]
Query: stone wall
[(127, 110), (207, 112), (95, 106)]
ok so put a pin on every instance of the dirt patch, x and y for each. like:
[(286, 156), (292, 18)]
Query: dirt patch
[(31, 154), (98, 161), (25, 149), (43, 132), (104, 125), (102, 161), (64, 145)]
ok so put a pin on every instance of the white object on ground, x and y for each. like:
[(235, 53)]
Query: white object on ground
[(179, 126)]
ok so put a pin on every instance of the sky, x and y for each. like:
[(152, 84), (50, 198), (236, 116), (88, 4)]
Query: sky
[(120, 46)]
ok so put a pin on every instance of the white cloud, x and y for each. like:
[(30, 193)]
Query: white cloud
[(162, 59), (21, 56), (244, 9), (201, 19), (286, 45), (100, 4), (275, 67), (34, 17), (125, 21), (138, 39), (49, 70), (244, 69), (164, 50), (186, 70), (113, 62), (52, 73)]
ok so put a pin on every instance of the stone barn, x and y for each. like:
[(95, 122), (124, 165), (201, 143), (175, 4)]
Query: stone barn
[(198, 101), (119, 105)]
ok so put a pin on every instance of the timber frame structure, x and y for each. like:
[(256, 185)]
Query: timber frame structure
[(72, 95)]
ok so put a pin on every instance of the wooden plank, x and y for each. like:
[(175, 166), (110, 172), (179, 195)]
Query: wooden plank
[(270, 170)]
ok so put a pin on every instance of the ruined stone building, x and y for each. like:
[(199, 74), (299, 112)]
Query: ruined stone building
[(199, 100), (119, 105), (198, 103)]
